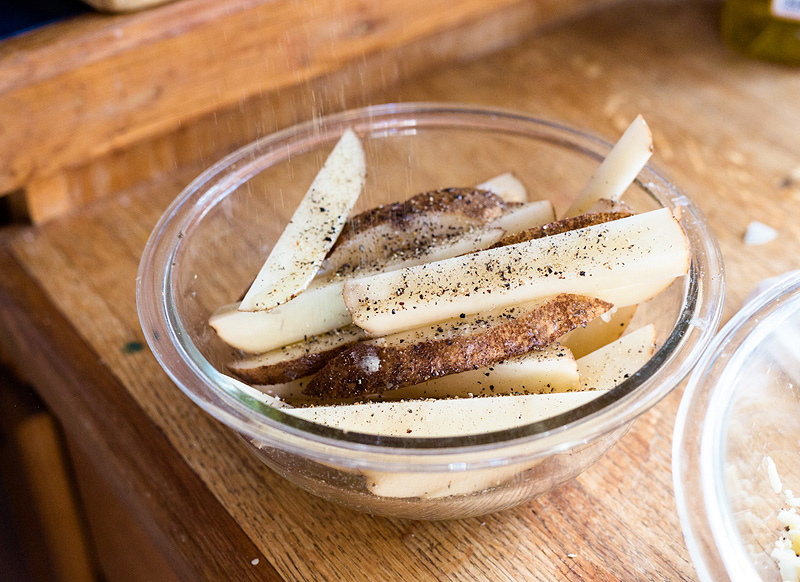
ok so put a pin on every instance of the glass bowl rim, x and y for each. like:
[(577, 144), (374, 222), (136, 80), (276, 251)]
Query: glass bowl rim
[(267, 424), (708, 404)]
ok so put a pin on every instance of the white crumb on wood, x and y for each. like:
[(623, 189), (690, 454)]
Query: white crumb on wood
[(758, 233), (772, 472)]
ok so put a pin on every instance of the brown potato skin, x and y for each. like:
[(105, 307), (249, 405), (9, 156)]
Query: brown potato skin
[(559, 226), (345, 376), (479, 205), (288, 370)]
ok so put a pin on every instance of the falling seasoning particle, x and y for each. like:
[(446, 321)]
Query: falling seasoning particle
[(132, 347), (254, 561)]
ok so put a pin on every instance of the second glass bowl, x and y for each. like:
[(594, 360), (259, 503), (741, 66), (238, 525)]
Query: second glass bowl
[(739, 415)]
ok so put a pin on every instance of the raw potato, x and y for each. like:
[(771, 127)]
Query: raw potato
[(504, 278), (437, 485), (316, 224), (524, 216), (296, 360), (598, 332), (507, 186), (441, 418), (605, 368), (541, 371), (637, 292), (290, 392), (620, 168), (440, 232), (454, 346), (320, 308), (589, 261), (402, 229), (560, 226)]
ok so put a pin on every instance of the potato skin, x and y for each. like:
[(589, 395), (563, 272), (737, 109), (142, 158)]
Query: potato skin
[(559, 226), (370, 367), (478, 205), (285, 371)]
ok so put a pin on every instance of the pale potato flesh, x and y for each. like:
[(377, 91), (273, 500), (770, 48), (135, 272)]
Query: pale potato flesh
[(507, 186), (528, 215), (619, 169), (598, 332), (587, 261), (608, 366), (636, 293), (294, 260), (542, 371), (320, 308), (442, 418)]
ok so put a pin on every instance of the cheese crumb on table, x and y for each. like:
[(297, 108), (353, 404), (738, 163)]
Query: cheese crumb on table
[(758, 233), (787, 547)]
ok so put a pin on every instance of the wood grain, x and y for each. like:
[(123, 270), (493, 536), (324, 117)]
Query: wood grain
[(200, 541), (716, 137), (95, 87), (47, 472), (125, 552)]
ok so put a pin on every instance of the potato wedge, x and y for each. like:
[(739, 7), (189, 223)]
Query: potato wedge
[(294, 260), (623, 163), (402, 229), (541, 371), (441, 418), (599, 332), (559, 226), (605, 368), (516, 218), (437, 485), (320, 308), (636, 293), (507, 186), (587, 261), (463, 343), (296, 360)]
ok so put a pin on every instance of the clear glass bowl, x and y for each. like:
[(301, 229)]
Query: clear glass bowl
[(742, 404), (213, 238)]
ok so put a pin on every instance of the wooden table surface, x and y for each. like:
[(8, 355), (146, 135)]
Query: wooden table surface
[(726, 129)]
